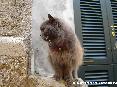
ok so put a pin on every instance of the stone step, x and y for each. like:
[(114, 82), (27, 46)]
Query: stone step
[(12, 46), (14, 60)]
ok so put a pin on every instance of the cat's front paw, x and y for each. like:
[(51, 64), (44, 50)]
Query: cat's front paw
[(57, 77)]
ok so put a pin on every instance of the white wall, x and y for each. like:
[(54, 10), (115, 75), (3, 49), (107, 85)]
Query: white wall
[(41, 9)]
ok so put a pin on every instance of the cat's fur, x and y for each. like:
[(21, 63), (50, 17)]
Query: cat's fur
[(65, 51)]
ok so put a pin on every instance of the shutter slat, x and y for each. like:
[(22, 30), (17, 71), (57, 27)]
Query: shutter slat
[(97, 76), (96, 50), (93, 38), (91, 22), (86, 8), (91, 48), (92, 54), (90, 25), (88, 11), (94, 44), (92, 29), (93, 57), (93, 41), (99, 73), (99, 80), (83, 19)]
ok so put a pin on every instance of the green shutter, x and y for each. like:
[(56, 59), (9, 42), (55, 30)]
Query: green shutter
[(93, 31), (97, 73), (93, 22)]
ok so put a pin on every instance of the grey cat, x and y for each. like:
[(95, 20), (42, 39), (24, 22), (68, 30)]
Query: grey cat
[(65, 50)]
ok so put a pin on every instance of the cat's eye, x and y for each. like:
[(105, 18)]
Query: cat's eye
[(59, 25)]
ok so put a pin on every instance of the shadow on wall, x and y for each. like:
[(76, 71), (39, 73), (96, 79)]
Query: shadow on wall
[(58, 8)]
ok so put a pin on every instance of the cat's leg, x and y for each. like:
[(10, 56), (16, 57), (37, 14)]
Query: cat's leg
[(67, 77), (57, 70), (75, 73), (75, 76), (58, 74)]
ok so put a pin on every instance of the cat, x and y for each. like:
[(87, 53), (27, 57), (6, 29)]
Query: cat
[(65, 50)]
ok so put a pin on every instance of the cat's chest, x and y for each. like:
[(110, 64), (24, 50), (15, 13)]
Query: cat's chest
[(62, 46)]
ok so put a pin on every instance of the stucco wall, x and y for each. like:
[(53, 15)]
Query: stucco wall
[(41, 8)]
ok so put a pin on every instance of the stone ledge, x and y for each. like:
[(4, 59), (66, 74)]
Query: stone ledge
[(15, 65), (39, 81), (14, 60), (10, 46)]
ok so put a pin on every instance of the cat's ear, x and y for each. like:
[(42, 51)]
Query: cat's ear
[(51, 19)]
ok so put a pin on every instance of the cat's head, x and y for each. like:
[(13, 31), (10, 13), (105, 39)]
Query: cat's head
[(51, 29)]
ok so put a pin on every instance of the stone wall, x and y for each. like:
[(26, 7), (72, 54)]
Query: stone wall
[(15, 27), (15, 17)]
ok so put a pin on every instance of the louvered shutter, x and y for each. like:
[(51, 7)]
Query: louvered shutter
[(93, 32), (93, 19), (97, 73), (93, 22)]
